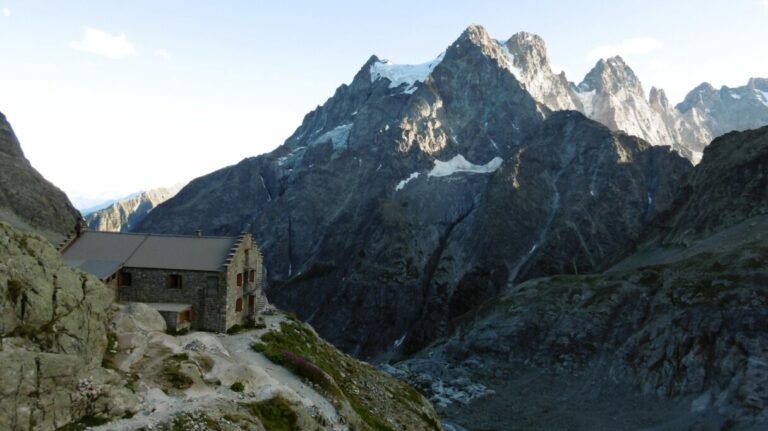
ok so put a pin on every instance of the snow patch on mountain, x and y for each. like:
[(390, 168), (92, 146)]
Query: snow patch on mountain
[(338, 136), (402, 183), (399, 74), (292, 156), (509, 59), (762, 96), (459, 164)]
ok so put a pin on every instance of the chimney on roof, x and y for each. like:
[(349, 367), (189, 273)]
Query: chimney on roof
[(199, 233)]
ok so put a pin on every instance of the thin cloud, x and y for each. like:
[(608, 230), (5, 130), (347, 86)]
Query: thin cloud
[(626, 48), (162, 53), (7, 12), (104, 44)]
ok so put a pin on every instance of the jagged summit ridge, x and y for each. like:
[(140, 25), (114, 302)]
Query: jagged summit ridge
[(610, 93)]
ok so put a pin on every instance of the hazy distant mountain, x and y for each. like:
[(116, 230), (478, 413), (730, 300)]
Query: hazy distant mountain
[(27, 200), (612, 94), (122, 215)]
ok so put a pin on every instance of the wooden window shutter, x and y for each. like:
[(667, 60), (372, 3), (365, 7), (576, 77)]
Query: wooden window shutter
[(239, 279)]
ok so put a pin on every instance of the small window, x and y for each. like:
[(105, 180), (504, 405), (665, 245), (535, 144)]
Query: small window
[(239, 304), (174, 281), (212, 284), (125, 279), (239, 280), (251, 304), (252, 276)]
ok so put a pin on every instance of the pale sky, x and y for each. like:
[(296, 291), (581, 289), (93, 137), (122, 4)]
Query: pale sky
[(112, 97)]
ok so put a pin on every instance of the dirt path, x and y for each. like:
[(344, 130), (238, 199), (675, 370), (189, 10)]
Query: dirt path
[(233, 360)]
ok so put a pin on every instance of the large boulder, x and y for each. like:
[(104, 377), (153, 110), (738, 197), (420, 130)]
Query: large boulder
[(134, 326), (53, 338)]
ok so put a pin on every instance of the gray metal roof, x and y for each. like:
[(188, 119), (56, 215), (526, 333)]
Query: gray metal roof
[(103, 253), (182, 252), (99, 268)]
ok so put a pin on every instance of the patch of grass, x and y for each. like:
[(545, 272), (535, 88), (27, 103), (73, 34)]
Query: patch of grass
[(369, 418), (276, 414), (236, 329), (173, 374), (130, 381), (297, 348), (83, 424), (109, 356), (205, 362), (237, 387), (259, 347), (193, 420)]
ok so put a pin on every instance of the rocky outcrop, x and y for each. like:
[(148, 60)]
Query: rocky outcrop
[(277, 376), (730, 185), (124, 214), (674, 330), (612, 94), (27, 200), (53, 337), (429, 165)]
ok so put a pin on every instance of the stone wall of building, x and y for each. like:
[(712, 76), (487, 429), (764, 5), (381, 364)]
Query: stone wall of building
[(205, 291), (213, 295), (247, 257)]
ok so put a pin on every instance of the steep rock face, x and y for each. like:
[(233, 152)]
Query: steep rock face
[(672, 332), (572, 199), (27, 200), (529, 53), (53, 336), (121, 216), (612, 94), (418, 162), (730, 184)]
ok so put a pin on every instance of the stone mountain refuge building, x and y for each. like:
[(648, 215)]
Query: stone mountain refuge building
[(198, 282)]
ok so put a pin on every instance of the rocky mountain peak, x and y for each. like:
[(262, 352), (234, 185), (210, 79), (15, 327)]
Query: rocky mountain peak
[(528, 55), (703, 92), (529, 50), (474, 37), (612, 75), (658, 99)]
